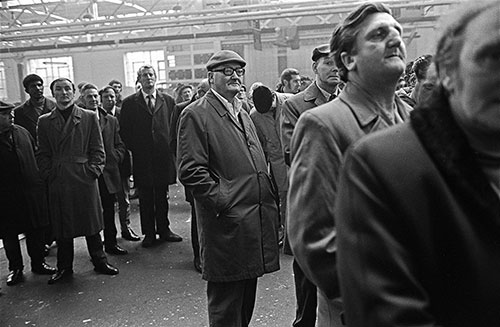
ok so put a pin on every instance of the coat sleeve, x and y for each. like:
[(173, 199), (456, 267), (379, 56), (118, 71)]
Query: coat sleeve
[(316, 159), (120, 148), (193, 158), (378, 277), (97, 156), (289, 117), (44, 152), (126, 123)]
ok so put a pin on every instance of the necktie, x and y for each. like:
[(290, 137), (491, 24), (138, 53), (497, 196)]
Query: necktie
[(150, 104), (332, 96)]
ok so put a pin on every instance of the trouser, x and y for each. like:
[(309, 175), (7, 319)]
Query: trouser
[(65, 251), (329, 311), (305, 292), (123, 200), (153, 209), (108, 213), (231, 303), (195, 243), (34, 245)]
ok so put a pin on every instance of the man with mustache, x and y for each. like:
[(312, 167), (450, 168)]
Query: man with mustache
[(221, 162), (369, 51)]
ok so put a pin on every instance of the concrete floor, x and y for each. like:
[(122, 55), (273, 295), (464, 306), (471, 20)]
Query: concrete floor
[(155, 287)]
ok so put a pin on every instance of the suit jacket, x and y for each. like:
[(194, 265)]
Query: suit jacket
[(150, 138), (319, 141), (26, 116), (221, 162), (114, 148), (418, 228), (310, 98), (71, 157)]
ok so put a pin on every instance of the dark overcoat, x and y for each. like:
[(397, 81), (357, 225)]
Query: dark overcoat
[(114, 148), (418, 228), (150, 138), (26, 116), (221, 162), (71, 157), (28, 192)]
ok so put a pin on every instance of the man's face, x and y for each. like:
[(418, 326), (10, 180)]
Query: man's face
[(63, 92), (91, 99), (475, 83), (379, 50), (108, 99), (186, 94), (117, 87), (35, 90), (293, 85), (326, 71), (424, 88), (6, 119), (202, 88), (147, 79), (227, 86)]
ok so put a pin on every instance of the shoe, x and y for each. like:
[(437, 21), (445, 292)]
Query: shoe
[(148, 241), (60, 275), (115, 249), (129, 235), (15, 277), (43, 269), (197, 264), (170, 237), (106, 269)]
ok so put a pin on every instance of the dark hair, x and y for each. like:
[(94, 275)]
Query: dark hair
[(451, 40), (287, 73), (106, 88), (60, 79), (139, 71), (89, 86), (30, 79), (421, 65), (115, 81), (344, 35)]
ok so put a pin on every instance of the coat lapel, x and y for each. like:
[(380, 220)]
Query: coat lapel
[(221, 110), (73, 120)]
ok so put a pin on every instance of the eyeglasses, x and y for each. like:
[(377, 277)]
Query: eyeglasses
[(228, 71)]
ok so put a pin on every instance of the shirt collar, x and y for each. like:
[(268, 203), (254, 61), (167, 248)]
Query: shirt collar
[(234, 108)]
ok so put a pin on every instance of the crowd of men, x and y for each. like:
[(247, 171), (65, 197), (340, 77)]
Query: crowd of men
[(388, 200)]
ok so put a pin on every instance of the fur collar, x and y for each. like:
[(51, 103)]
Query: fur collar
[(452, 154)]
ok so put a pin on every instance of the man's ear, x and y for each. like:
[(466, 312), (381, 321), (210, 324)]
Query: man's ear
[(348, 60), (315, 67), (210, 76), (448, 84)]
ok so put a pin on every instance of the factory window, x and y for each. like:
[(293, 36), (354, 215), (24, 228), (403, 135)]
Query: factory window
[(50, 69), (134, 60)]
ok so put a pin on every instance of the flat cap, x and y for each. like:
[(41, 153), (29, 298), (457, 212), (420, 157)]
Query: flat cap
[(223, 57), (4, 106), (321, 51)]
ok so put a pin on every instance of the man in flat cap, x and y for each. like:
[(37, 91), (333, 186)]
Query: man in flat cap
[(221, 162), (323, 89), (22, 198)]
